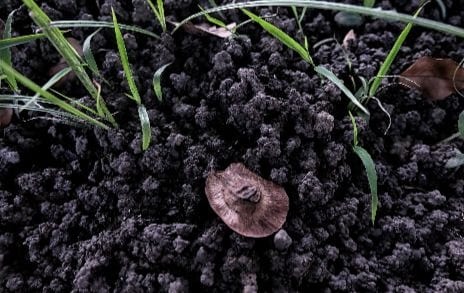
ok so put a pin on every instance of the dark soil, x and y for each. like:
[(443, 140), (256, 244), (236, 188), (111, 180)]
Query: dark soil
[(85, 210)]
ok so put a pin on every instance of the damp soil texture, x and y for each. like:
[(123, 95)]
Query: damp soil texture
[(85, 210)]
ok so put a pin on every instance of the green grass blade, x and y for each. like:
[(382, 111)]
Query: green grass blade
[(281, 36), (369, 3), (158, 10), (157, 81), (146, 129), (461, 124), (331, 76), (355, 129), (371, 177), (88, 55), (48, 96), (100, 24), (5, 54), (385, 67), (325, 5), (125, 61), (213, 19), (16, 41)]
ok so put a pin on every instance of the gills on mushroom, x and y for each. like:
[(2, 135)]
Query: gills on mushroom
[(247, 203)]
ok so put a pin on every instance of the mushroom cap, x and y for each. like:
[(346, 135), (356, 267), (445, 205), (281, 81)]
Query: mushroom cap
[(248, 204)]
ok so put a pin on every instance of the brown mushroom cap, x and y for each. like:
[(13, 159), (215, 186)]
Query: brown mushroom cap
[(247, 203)]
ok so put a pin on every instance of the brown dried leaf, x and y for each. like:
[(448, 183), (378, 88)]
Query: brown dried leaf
[(205, 28), (247, 203), (350, 36), (434, 77), (5, 117)]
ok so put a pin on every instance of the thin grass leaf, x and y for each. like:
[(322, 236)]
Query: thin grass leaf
[(75, 102), (355, 129), (461, 124), (51, 82), (125, 61), (88, 55), (100, 24), (333, 78), (385, 67), (5, 54), (369, 3), (48, 96), (16, 41), (157, 81), (213, 19), (281, 36), (371, 177), (146, 129), (158, 10), (442, 8), (325, 5), (386, 113), (65, 49)]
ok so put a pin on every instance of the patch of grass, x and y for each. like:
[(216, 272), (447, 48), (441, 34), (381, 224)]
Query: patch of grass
[(66, 106), (369, 165), (56, 37), (143, 115)]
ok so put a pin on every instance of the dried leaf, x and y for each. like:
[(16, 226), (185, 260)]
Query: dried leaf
[(435, 78), (247, 203), (350, 36), (205, 28), (5, 117)]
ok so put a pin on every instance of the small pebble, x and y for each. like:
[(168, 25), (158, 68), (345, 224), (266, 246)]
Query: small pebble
[(282, 240)]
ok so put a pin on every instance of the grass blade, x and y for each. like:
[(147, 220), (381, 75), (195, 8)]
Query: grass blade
[(49, 96), (100, 24), (5, 54), (385, 67), (281, 36), (213, 19), (158, 10), (325, 5), (461, 124), (371, 177), (157, 81), (146, 129), (88, 55), (333, 78), (125, 61), (16, 41), (369, 3)]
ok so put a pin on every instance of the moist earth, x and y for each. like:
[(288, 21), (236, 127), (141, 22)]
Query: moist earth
[(85, 210)]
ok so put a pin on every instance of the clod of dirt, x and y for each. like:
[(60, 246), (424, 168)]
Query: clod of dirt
[(247, 203), (5, 117), (436, 78)]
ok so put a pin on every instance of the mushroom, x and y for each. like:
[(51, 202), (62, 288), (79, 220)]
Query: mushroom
[(248, 204)]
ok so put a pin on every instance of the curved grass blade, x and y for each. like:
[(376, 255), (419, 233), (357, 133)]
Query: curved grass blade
[(125, 61), (281, 36), (331, 76), (371, 177), (385, 67), (49, 96), (88, 55), (16, 41), (100, 24), (157, 81), (146, 129), (325, 5), (5, 54)]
